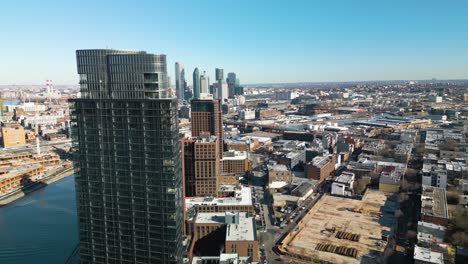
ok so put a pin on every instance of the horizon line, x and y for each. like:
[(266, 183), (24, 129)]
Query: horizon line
[(297, 82)]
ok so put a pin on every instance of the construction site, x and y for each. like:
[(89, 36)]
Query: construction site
[(342, 230)]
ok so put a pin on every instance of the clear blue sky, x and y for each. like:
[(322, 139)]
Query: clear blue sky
[(262, 41)]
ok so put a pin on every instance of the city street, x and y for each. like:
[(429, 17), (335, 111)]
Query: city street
[(269, 238)]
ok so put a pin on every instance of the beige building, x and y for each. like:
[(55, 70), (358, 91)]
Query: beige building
[(279, 173), (13, 136)]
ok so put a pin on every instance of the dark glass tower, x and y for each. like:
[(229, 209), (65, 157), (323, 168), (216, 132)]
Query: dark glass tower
[(231, 81), (219, 74), (127, 159), (196, 84)]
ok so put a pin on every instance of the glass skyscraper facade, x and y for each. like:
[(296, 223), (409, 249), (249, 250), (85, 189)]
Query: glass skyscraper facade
[(231, 82), (196, 84), (127, 159), (180, 81), (219, 74)]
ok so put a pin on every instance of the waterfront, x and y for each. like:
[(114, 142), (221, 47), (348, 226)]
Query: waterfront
[(41, 227), (11, 102)]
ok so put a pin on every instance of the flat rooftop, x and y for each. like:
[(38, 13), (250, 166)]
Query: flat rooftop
[(262, 134), (222, 258), (428, 256), (242, 197), (13, 172), (370, 218), (244, 231), (434, 202), (235, 155), (278, 167), (391, 176), (319, 161), (345, 177), (210, 218)]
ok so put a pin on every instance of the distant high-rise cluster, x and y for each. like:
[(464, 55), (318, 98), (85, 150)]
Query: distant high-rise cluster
[(221, 89)]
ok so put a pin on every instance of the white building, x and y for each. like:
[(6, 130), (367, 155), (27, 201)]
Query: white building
[(223, 91), (426, 256), (430, 233), (343, 184), (28, 107), (435, 99), (204, 84), (288, 95), (247, 114), (433, 175), (240, 99), (40, 120)]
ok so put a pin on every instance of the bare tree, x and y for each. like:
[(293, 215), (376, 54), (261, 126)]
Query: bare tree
[(403, 196), (411, 174), (420, 149), (409, 186), (361, 184), (410, 234), (398, 213), (460, 239), (453, 198)]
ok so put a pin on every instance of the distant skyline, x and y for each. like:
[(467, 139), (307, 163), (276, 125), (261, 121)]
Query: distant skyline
[(261, 41)]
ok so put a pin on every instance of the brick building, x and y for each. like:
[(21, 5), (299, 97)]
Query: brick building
[(234, 231), (279, 173), (320, 167), (208, 118), (201, 166), (235, 162)]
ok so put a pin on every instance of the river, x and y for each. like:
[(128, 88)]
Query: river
[(41, 227), (11, 102)]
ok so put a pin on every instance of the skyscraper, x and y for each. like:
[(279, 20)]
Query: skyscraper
[(179, 81), (231, 82), (127, 159), (204, 83), (207, 118), (223, 91), (196, 84), (219, 74), (183, 83)]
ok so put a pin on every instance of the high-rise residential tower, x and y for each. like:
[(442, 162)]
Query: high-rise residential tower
[(207, 118), (201, 161), (127, 159), (196, 84), (179, 81)]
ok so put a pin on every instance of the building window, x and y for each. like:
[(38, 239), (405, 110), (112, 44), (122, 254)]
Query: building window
[(233, 248)]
